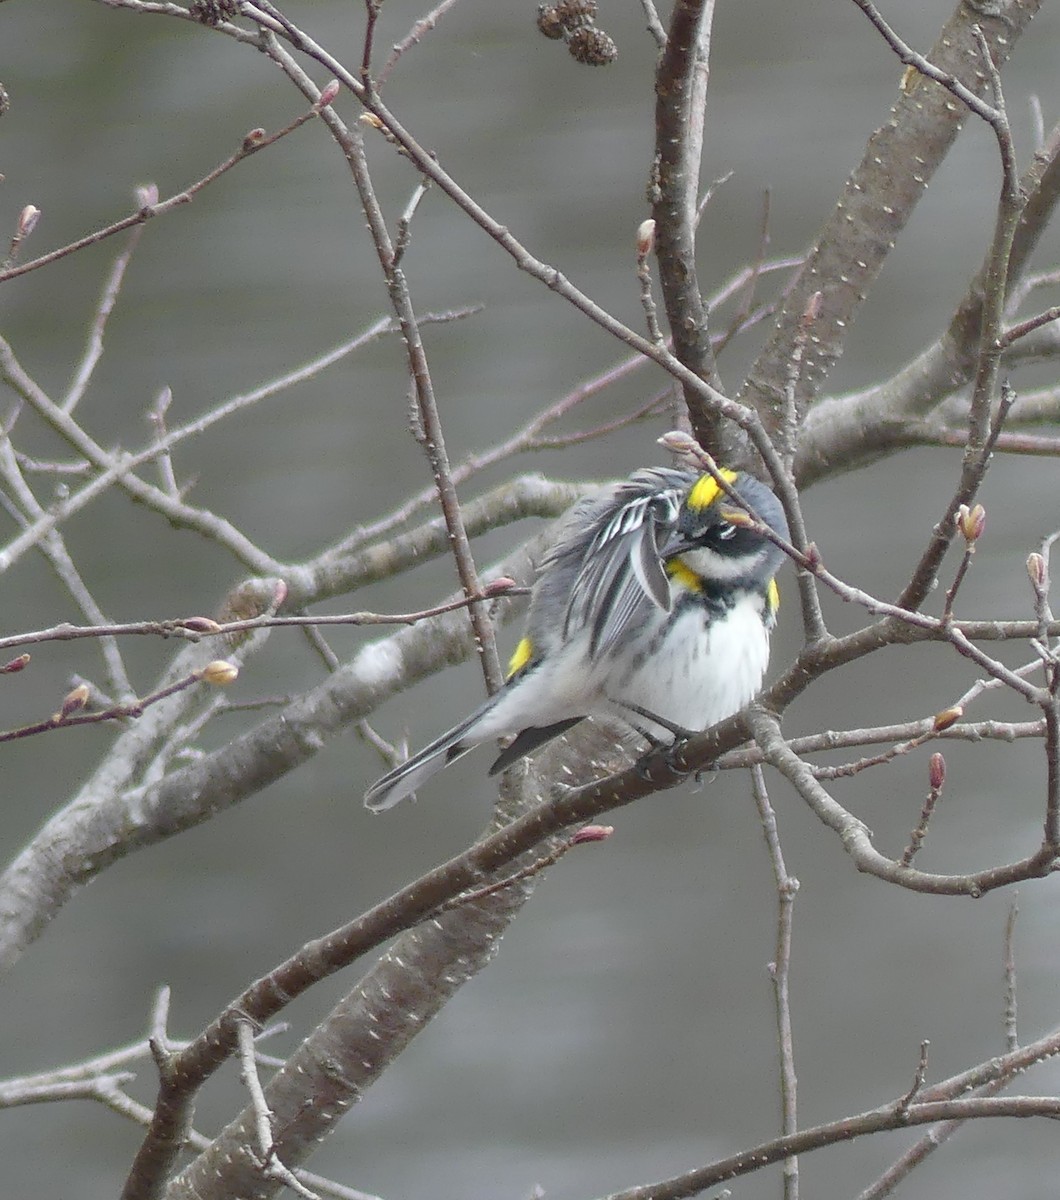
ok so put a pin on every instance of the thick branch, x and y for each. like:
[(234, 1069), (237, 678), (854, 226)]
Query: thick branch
[(877, 202)]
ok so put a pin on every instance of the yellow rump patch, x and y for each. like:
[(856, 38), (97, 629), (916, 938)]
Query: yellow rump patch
[(773, 596), (523, 653), (706, 489)]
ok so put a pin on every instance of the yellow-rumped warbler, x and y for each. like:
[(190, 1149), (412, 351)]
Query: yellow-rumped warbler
[(657, 600)]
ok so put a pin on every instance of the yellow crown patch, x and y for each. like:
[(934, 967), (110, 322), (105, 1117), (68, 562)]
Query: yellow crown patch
[(706, 489)]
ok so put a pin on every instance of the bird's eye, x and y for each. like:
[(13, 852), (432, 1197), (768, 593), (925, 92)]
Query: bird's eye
[(726, 531)]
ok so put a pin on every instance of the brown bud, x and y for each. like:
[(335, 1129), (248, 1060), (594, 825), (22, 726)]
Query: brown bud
[(73, 701), (200, 625), (937, 772), (971, 521), (737, 516), (946, 718), (499, 586), (813, 308), (27, 220), (219, 672), (15, 665), (679, 442), (327, 95), (645, 238), (592, 46), (592, 833), (1036, 571)]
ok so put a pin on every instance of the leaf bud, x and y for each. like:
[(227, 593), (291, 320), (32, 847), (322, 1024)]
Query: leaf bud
[(645, 238), (679, 442), (219, 672), (1036, 571), (27, 220), (947, 717), (73, 701), (327, 95), (592, 833), (200, 625), (499, 586), (971, 521), (937, 772)]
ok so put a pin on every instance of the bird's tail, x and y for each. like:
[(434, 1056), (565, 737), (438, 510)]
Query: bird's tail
[(403, 780)]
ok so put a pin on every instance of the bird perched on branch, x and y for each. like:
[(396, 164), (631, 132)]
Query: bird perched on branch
[(655, 605)]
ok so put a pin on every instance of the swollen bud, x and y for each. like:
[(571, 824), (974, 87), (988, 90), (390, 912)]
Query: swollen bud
[(679, 442), (327, 96), (592, 833), (200, 625), (73, 701), (15, 665), (813, 308), (499, 586), (937, 772), (971, 521), (1036, 571), (645, 238), (27, 220), (737, 517), (946, 718), (219, 672)]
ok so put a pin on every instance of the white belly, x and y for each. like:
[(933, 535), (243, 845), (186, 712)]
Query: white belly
[(690, 679), (695, 680)]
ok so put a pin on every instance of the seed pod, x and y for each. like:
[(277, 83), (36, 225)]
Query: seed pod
[(592, 46), (548, 21)]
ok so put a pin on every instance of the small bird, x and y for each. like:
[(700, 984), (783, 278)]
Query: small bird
[(656, 601)]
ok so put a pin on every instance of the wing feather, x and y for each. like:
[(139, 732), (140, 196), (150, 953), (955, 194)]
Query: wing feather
[(620, 572)]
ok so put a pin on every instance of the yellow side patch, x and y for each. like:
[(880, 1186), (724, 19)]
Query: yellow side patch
[(523, 653), (706, 490), (684, 576), (773, 596)]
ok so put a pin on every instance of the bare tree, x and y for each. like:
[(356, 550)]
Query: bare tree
[(172, 764)]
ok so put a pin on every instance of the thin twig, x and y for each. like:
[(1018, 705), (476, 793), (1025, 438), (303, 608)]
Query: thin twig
[(251, 145), (780, 973), (193, 629)]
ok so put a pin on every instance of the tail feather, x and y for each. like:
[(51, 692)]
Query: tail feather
[(528, 741), (403, 780)]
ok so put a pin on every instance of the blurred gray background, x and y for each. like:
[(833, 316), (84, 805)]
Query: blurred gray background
[(625, 1032)]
